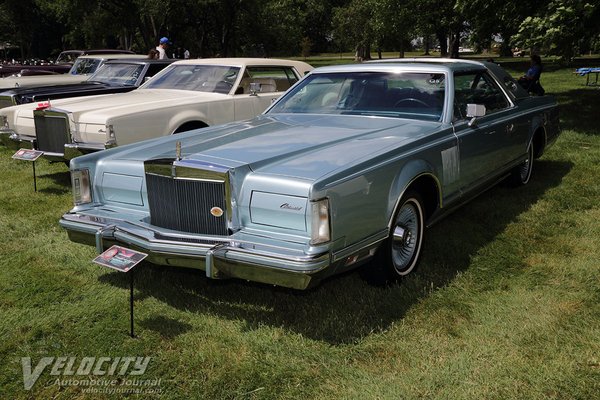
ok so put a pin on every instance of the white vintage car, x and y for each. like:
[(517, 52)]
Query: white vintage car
[(81, 69), (187, 95)]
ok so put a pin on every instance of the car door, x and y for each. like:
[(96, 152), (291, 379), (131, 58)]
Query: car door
[(482, 144)]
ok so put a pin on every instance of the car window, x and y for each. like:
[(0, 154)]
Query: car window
[(118, 74), (477, 88), (154, 69), (68, 56), (508, 81), (403, 95), (202, 78), (83, 66), (270, 78)]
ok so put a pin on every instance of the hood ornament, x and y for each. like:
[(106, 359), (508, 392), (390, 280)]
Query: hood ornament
[(178, 150)]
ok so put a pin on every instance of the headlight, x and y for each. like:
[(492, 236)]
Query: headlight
[(80, 180), (320, 222), (4, 122)]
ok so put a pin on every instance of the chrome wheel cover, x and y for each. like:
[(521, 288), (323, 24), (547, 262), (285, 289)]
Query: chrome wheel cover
[(406, 236), (527, 166)]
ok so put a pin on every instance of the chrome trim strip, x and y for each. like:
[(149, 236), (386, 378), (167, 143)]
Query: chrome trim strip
[(360, 246)]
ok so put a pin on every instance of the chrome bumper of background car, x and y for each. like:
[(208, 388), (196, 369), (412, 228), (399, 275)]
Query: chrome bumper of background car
[(219, 257), (13, 140), (73, 150)]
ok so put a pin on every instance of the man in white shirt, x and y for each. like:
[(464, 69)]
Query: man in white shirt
[(162, 46)]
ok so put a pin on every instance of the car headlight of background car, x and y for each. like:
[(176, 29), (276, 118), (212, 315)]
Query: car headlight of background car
[(4, 122), (82, 192)]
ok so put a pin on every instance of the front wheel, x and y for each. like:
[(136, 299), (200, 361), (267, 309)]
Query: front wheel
[(400, 253)]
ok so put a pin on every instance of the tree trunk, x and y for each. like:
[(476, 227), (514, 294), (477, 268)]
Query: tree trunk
[(363, 52), (441, 36), (454, 43), (427, 45)]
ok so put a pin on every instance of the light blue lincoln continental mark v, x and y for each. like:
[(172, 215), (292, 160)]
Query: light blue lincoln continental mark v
[(350, 165)]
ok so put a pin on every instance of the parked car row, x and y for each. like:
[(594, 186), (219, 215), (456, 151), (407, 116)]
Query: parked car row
[(116, 76), (62, 65), (82, 67), (186, 95), (348, 164)]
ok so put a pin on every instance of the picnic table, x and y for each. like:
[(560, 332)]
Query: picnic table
[(587, 72)]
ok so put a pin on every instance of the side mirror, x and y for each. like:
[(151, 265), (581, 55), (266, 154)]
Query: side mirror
[(254, 88), (475, 111)]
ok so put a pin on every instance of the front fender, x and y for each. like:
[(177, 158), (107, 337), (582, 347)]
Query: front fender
[(409, 173)]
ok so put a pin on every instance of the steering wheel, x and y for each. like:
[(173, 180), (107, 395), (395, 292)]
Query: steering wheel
[(411, 100)]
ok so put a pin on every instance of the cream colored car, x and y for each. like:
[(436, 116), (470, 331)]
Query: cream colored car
[(81, 69), (187, 95)]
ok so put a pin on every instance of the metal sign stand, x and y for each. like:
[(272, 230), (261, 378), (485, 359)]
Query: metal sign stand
[(122, 259), (34, 178), (131, 304), (29, 155)]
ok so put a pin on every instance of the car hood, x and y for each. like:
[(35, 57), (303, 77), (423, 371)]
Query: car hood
[(52, 89), (39, 80), (301, 146)]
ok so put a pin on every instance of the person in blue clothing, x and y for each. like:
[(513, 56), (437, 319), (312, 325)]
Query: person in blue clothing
[(531, 80)]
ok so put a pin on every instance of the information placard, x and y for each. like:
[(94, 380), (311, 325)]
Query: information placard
[(27, 154), (120, 258)]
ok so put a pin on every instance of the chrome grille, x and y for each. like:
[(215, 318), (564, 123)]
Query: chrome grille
[(52, 131), (184, 204), (6, 101)]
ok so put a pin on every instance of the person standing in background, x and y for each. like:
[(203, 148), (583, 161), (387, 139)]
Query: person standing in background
[(163, 44)]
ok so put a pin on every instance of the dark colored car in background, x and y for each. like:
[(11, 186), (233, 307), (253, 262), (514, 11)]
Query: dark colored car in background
[(62, 65), (115, 76)]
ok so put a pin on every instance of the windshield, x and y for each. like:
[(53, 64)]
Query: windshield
[(84, 66), (118, 74), (402, 95), (202, 78)]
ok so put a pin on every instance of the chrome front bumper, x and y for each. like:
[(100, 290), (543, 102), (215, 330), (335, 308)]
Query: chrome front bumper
[(14, 141), (258, 261)]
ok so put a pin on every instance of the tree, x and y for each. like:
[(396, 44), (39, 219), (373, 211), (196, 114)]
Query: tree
[(443, 19), (489, 18), (354, 26), (394, 23), (562, 29)]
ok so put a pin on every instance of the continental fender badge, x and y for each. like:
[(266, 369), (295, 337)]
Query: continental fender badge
[(216, 212)]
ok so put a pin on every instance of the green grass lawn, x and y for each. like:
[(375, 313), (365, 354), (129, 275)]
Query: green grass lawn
[(505, 304)]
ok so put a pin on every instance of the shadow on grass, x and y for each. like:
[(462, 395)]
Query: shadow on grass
[(60, 182), (345, 308), (577, 107), (168, 328)]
